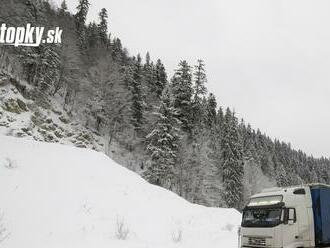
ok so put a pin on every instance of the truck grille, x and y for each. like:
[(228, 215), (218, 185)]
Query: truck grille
[(256, 242)]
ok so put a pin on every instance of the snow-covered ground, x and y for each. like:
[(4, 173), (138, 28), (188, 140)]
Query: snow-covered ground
[(53, 195)]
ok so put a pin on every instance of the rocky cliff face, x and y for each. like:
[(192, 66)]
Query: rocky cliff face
[(21, 116)]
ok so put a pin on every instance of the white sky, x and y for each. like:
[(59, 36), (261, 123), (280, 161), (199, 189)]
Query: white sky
[(267, 59)]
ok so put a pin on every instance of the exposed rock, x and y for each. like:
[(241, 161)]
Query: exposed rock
[(16, 106), (64, 120)]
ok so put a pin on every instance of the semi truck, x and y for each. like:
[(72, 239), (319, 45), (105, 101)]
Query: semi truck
[(288, 217)]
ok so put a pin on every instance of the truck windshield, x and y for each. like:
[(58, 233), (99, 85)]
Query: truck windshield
[(261, 217)]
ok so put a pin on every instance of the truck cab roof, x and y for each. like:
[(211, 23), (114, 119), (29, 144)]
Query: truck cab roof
[(289, 189)]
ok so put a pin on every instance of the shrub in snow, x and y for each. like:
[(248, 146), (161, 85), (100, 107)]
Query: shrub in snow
[(122, 230), (7, 163), (177, 236)]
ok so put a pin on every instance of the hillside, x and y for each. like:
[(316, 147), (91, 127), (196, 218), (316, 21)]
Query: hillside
[(49, 122), (90, 92), (53, 195)]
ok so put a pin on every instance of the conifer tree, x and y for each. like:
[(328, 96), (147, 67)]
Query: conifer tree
[(64, 7), (191, 172), (163, 144), (137, 98), (151, 96), (118, 52), (216, 139), (92, 37), (148, 59), (198, 110), (81, 15), (48, 68), (281, 176), (211, 112), (232, 161), (160, 78), (82, 11), (199, 81), (182, 93), (248, 137), (220, 117), (148, 73), (103, 26)]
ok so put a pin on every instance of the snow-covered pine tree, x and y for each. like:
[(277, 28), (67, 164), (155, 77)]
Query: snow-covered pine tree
[(220, 117), (182, 91), (103, 26), (162, 145), (149, 75), (199, 93), (212, 183), (147, 67), (46, 70), (281, 175), (200, 80), (267, 164), (64, 7), (93, 38), (211, 112), (137, 97), (117, 49), (214, 174), (190, 172), (150, 93), (160, 80), (232, 162), (249, 144), (81, 15), (50, 71)]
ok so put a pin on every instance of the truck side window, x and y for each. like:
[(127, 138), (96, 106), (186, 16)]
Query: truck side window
[(290, 214)]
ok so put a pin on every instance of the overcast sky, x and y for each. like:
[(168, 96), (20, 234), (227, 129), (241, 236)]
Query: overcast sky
[(267, 59)]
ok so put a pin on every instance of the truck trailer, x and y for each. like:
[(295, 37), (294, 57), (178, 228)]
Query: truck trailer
[(288, 217)]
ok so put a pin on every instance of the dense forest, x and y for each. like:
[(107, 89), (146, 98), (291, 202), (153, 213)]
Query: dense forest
[(180, 137)]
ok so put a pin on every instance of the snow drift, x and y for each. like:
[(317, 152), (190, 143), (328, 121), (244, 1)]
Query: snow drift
[(53, 195)]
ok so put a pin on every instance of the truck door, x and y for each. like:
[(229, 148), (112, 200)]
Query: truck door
[(290, 229)]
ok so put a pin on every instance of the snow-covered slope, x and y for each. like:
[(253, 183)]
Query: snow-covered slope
[(53, 195)]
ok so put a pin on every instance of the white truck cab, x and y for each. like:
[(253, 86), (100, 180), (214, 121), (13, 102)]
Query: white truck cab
[(291, 217)]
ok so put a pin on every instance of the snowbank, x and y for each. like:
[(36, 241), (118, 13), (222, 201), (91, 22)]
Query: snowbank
[(53, 195)]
